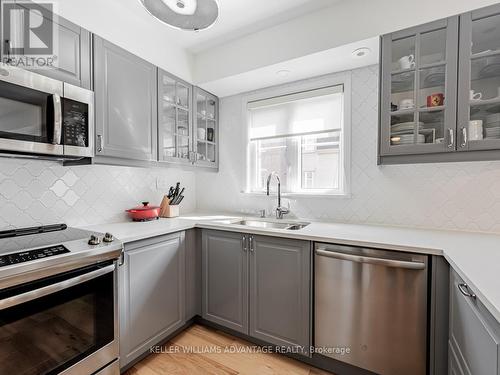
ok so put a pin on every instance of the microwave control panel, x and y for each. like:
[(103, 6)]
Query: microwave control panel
[(75, 123)]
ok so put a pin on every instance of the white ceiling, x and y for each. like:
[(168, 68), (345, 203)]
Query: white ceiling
[(237, 18), (313, 65)]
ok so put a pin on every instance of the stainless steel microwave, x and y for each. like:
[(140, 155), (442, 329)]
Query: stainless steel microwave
[(44, 116)]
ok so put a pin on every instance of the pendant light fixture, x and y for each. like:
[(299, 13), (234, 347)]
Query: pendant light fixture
[(191, 15)]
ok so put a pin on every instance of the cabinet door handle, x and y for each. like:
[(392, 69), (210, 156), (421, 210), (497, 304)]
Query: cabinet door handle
[(99, 143), (464, 289), (464, 137), (245, 243), (451, 140), (251, 244)]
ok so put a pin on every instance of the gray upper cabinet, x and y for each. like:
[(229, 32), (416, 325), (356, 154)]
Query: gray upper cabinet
[(73, 51), (175, 124), (419, 89), (206, 128), (479, 80), (280, 290), (437, 104), (126, 103), (225, 279), (474, 337), (151, 293)]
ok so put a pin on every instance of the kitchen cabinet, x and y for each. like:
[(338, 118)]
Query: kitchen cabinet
[(72, 50), (258, 285), (419, 89), (437, 104), (175, 124), (280, 290), (206, 128), (479, 71), (474, 336), (225, 279), (126, 104), (151, 293)]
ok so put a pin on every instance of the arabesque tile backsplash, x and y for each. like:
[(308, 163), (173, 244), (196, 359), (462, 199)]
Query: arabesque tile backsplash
[(464, 196), (36, 192)]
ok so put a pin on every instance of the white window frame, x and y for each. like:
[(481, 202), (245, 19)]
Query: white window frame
[(291, 88)]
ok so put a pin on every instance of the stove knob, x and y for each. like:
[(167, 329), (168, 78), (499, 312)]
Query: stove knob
[(94, 240), (108, 237)]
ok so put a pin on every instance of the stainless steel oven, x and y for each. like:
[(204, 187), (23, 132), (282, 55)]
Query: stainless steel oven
[(40, 115), (61, 324)]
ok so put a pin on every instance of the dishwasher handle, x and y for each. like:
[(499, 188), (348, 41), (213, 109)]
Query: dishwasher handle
[(370, 260)]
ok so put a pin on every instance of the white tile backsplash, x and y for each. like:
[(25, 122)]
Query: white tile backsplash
[(36, 192), (445, 195)]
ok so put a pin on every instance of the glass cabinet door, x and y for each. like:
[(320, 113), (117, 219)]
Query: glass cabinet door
[(174, 119), (418, 103), (479, 80), (206, 131)]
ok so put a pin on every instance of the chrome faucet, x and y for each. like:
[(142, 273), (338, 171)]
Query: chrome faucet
[(280, 211)]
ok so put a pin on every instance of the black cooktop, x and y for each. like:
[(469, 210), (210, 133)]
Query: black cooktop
[(40, 238)]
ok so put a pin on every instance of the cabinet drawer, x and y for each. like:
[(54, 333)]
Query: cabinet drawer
[(474, 334)]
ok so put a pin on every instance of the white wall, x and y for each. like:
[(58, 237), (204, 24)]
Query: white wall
[(41, 192), (126, 26), (445, 196), (345, 22)]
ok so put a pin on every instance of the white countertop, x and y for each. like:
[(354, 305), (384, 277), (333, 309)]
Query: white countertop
[(475, 256)]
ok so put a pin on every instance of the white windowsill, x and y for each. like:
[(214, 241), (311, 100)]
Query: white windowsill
[(300, 195)]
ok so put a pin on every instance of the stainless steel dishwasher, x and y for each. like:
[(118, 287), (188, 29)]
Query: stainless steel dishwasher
[(374, 304)]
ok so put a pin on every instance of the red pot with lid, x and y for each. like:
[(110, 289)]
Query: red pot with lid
[(144, 212)]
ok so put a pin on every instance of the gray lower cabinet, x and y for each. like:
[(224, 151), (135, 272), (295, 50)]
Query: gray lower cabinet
[(280, 286), (258, 285), (151, 293), (72, 49), (126, 104), (474, 338), (225, 279)]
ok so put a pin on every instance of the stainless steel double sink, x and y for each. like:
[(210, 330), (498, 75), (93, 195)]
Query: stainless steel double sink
[(272, 224)]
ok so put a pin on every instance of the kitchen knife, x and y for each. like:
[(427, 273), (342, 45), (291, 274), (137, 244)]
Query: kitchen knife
[(176, 199), (170, 192), (176, 191), (179, 200)]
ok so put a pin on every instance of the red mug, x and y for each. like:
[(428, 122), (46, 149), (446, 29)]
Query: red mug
[(435, 100)]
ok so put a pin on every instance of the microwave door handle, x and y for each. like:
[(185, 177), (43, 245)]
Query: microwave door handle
[(53, 288), (57, 119)]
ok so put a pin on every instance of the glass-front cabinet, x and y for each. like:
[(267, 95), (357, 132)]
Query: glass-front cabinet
[(418, 89), (479, 80), (440, 90), (206, 132), (175, 135)]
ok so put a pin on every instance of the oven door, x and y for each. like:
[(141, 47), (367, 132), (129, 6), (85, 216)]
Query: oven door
[(30, 112), (78, 121), (63, 324)]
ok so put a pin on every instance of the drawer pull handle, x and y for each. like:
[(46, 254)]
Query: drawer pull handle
[(464, 289)]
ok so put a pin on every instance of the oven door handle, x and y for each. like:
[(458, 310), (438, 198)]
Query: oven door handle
[(57, 136), (49, 289)]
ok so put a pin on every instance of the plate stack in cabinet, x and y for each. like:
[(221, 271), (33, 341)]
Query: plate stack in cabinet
[(175, 136), (206, 129), (418, 89)]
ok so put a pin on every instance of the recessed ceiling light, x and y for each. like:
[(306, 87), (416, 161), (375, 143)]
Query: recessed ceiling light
[(184, 14), (283, 73), (361, 52)]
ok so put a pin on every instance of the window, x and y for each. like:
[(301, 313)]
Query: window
[(301, 137)]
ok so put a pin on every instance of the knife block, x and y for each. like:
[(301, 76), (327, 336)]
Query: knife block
[(166, 210)]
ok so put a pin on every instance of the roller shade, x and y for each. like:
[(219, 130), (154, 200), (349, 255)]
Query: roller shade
[(301, 113)]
